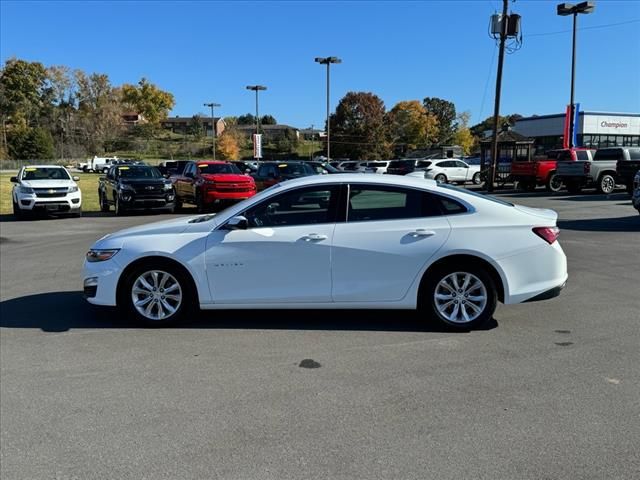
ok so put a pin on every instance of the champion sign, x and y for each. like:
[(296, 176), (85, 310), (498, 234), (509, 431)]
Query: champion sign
[(606, 124)]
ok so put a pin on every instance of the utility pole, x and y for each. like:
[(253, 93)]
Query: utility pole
[(213, 126), (496, 108), (328, 61), (565, 9), (257, 88)]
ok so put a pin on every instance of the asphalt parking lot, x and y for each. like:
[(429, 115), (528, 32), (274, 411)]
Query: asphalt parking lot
[(549, 390)]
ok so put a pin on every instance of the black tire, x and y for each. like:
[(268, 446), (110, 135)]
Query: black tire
[(606, 184), (77, 214), (528, 186), (201, 207), (17, 213), (120, 210), (629, 188), (441, 178), (104, 206), (554, 183), (432, 285), (186, 290), (573, 187), (477, 178), (177, 204), (105, 170)]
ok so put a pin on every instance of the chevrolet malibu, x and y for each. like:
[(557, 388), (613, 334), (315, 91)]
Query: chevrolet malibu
[(366, 242)]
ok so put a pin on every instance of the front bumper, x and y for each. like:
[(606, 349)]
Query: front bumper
[(131, 201), (212, 196), (100, 281), (71, 202)]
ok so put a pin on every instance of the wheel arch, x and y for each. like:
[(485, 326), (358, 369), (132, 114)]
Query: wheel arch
[(466, 259), (157, 258)]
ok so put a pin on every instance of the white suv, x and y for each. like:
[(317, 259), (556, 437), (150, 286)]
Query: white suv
[(45, 188)]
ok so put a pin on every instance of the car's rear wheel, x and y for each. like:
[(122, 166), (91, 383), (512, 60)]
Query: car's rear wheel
[(156, 294), (606, 184), (441, 178), (460, 297), (554, 184), (477, 178)]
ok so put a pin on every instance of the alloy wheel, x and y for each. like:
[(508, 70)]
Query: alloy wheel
[(460, 297), (156, 295)]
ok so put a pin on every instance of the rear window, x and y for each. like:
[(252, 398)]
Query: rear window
[(564, 156), (582, 155), (608, 154), (634, 154), (295, 169), (423, 164), (474, 194)]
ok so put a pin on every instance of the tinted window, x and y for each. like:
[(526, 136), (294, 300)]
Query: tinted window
[(474, 194), (608, 154), (562, 156), (423, 164), (295, 169), (402, 163), (303, 206), (582, 155), (634, 154), (45, 173), (214, 168), (460, 164), (374, 203), (450, 206), (265, 170)]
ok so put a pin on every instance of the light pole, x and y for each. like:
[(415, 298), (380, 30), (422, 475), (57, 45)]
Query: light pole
[(328, 61), (566, 9), (257, 88), (213, 126)]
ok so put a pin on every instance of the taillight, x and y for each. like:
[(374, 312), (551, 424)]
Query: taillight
[(548, 234), (587, 167)]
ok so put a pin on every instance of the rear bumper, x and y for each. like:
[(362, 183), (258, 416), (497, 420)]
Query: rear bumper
[(551, 293)]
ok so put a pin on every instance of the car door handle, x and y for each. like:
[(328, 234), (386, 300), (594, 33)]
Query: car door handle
[(421, 232), (314, 237)]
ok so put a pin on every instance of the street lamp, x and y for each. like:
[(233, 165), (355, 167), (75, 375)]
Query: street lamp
[(328, 61), (564, 10), (257, 88), (213, 126)]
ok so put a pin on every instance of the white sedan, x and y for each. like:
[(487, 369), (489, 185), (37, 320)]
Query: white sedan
[(368, 241), (450, 170)]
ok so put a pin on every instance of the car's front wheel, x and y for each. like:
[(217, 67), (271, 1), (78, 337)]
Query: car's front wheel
[(156, 294), (460, 297), (477, 178)]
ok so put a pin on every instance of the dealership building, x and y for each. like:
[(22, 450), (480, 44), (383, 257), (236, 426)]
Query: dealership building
[(593, 130)]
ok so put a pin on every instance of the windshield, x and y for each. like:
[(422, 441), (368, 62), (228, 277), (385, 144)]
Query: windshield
[(214, 168), (137, 171), (45, 173), (475, 194)]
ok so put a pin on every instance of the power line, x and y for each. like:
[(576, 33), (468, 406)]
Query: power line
[(592, 27)]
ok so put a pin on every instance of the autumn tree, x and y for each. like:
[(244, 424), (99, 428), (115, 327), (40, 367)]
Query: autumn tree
[(227, 145), (410, 126), (463, 136), (445, 113), (148, 100), (359, 128)]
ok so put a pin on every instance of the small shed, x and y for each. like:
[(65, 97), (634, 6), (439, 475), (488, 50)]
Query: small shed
[(512, 147)]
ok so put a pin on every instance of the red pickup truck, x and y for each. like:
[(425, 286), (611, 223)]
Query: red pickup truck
[(206, 184), (542, 171)]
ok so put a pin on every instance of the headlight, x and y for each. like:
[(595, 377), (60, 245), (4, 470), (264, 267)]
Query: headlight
[(168, 186), (95, 255), (124, 186), (73, 189), (26, 189)]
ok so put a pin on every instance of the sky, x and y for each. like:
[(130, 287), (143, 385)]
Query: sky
[(209, 51)]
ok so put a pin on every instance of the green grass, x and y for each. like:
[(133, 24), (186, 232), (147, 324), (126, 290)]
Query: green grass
[(88, 186)]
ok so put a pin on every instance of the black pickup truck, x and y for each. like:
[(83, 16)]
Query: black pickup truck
[(627, 166), (135, 187)]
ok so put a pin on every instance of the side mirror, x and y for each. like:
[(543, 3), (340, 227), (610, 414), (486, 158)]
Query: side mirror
[(75, 178), (13, 179), (238, 222)]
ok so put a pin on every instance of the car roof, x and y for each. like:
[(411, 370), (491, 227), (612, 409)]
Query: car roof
[(391, 180), (43, 166), (210, 162)]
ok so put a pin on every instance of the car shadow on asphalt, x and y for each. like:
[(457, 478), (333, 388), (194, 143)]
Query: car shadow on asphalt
[(63, 311), (620, 224)]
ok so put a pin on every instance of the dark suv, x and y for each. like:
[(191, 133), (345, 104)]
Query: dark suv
[(270, 173)]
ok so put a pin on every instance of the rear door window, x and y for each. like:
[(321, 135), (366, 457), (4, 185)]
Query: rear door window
[(370, 203)]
